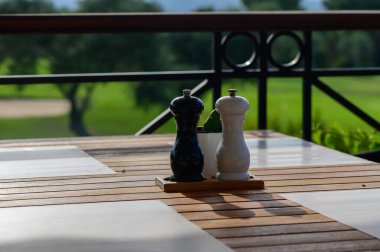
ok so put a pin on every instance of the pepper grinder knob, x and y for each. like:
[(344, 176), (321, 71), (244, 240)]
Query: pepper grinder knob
[(186, 93), (232, 92)]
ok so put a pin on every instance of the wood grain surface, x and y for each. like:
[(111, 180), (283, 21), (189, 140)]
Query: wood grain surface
[(245, 220)]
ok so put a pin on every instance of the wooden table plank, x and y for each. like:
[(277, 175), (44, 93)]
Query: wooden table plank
[(274, 240), (261, 221), (259, 231), (244, 219), (356, 245), (246, 213)]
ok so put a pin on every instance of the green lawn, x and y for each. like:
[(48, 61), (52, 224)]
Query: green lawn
[(113, 110)]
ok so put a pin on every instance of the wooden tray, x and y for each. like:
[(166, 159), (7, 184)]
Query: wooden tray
[(208, 185)]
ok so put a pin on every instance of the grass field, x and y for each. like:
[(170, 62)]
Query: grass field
[(113, 110)]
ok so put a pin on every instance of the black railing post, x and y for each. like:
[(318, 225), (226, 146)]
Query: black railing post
[(307, 88), (217, 67), (262, 87)]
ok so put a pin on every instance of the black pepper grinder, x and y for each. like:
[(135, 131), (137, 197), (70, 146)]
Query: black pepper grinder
[(186, 158)]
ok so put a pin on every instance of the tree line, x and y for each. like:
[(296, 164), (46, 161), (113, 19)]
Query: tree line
[(90, 53)]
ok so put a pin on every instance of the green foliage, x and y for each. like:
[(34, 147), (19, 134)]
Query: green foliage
[(372, 37), (24, 51), (118, 6), (343, 49), (272, 4), (190, 50), (107, 52), (213, 123), (351, 140), (81, 53), (352, 5), (44, 54), (86, 52), (158, 93), (19, 128), (26, 6), (113, 112)]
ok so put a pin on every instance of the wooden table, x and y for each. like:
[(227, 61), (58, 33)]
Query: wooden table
[(244, 220)]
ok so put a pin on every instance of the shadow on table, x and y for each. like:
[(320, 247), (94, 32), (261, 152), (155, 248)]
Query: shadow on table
[(239, 205), (275, 206), (222, 207)]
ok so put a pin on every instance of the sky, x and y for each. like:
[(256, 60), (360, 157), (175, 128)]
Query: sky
[(184, 5), (65, 3), (313, 4), (173, 5)]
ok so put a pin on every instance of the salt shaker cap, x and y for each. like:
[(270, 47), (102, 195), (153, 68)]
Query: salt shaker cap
[(232, 104)]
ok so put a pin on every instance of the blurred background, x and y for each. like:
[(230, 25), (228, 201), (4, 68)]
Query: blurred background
[(115, 108)]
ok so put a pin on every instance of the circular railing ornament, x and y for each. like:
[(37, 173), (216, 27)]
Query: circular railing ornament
[(296, 60), (247, 63)]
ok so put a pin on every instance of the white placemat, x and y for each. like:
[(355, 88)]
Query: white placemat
[(357, 208), (102, 227), (293, 152), (54, 161)]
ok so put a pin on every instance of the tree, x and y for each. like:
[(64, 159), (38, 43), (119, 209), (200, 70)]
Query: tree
[(365, 40), (26, 6), (352, 5), (118, 6), (22, 52), (181, 51), (25, 55), (100, 53), (78, 104), (83, 53), (272, 4), (337, 49)]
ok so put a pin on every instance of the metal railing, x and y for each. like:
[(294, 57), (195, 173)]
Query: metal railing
[(266, 26)]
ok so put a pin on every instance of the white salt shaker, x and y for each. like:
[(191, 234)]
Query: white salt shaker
[(232, 156)]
